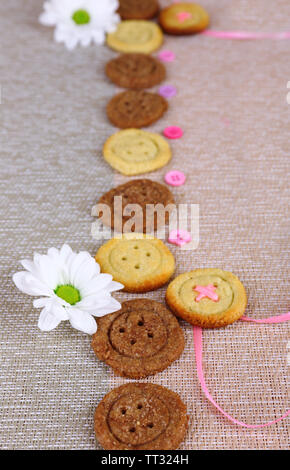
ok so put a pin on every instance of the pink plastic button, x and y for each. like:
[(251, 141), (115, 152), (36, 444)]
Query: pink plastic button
[(166, 56), (167, 91), (179, 237), (175, 178), (173, 132)]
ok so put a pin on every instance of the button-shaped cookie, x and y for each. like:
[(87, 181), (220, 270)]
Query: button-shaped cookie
[(138, 10), (183, 18), (135, 108), (136, 36), (135, 71), (141, 339), (140, 416), (140, 262), (209, 298), (134, 151), (143, 192)]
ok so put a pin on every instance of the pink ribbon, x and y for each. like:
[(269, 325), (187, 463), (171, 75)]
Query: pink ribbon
[(245, 35), (197, 335)]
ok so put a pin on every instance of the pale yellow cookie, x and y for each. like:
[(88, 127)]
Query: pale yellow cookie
[(134, 151), (142, 263), (136, 36), (209, 298)]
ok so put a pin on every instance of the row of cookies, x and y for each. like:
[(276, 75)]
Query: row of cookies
[(144, 337), (178, 19)]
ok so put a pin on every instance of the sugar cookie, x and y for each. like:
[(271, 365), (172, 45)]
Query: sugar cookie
[(209, 298), (134, 151), (136, 36), (183, 18), (141, 263)]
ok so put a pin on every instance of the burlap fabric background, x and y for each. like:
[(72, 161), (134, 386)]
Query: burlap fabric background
[(232, 106)]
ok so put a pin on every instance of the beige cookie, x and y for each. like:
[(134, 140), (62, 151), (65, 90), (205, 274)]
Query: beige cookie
[(134, 151), (183, 18), (210, 298), (136, 36), (140, 262)]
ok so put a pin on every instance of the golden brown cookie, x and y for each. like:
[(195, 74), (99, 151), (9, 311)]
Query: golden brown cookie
[(134, 151), (136, 109), (141, 339), (138, 9), (183, 18), (140, 416), (140, 262), (136, 36), (141, 192), (210, 298), (135, 71)]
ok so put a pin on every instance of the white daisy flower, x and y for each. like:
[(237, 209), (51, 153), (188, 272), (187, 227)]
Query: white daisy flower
[(80, 21), (71, 288)]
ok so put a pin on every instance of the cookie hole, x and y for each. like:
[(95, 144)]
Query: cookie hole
[(123, 411), (124, 258), (122, 330), (137, 266), (140, 323), (133, 341), (132, 429), (150, 425), (150, 335), (139, 407), (136, 247), (148, 254)]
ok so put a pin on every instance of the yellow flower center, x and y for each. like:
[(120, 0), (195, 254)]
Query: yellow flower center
[(68, 293), (81, 17)]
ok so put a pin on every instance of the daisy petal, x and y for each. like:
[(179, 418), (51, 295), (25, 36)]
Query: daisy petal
[(113, 286), (28, 284), (82, 321), (112, 306), (93, 302), (98, 283), (59, 311), (47, 320), (49, 272), (82, 270)]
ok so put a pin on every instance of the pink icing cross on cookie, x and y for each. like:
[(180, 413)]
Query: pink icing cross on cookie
[(206, 291), (183, 15)]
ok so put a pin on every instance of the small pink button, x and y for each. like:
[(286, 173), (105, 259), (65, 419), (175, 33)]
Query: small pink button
[(167, 91), (175, 178), (166, 56), (179, 237), (173, 132)]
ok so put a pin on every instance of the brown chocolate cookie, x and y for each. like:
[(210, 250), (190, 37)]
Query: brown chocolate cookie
[(140, 416), (135, 71), (134, 109), (138, 9), (141, 192), (141, 339)]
